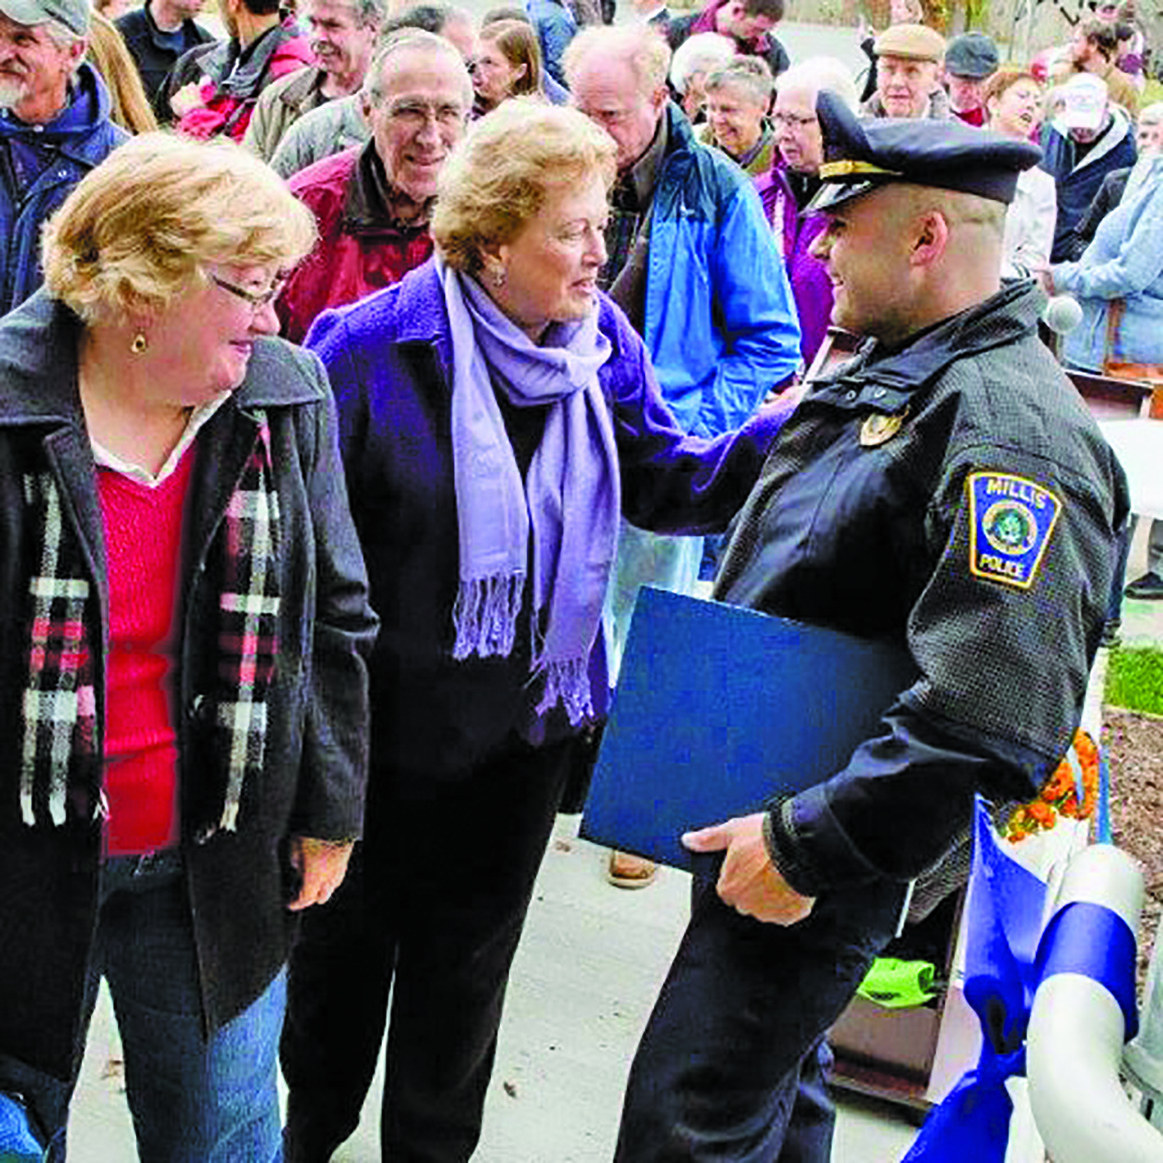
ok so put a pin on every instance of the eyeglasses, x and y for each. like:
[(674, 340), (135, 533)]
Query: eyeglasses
[(418, 113), (256, 299), (791, 121)]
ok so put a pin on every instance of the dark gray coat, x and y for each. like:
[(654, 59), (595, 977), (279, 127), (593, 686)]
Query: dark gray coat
[(315, 770)]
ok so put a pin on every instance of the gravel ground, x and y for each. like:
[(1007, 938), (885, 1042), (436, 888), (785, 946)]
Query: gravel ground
[(1134, 746)]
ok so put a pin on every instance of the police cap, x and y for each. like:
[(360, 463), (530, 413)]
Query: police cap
[(860, 156)]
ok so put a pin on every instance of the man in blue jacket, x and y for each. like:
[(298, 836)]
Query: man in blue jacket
[(54, 128), (1087, 139), (693, 263)]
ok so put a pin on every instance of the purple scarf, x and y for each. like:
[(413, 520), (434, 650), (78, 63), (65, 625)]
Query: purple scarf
[(569, 502)]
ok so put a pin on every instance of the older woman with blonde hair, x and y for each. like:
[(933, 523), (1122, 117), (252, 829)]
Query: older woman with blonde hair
[(183, 704), (497, 414)]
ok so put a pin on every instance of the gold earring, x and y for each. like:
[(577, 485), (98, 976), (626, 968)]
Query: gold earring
[(139, 344)]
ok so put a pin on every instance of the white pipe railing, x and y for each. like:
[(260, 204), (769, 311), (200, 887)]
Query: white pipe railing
[(1075, 1040)]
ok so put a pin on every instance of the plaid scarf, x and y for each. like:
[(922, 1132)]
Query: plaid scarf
[(61, 751)]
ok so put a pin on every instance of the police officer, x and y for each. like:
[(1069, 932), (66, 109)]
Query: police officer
[(945, 489)]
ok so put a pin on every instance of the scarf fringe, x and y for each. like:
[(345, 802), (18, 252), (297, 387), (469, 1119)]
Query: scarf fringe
[(567, 681), (485, 615)]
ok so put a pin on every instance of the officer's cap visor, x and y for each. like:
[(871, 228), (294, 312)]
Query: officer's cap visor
[(832, 194)]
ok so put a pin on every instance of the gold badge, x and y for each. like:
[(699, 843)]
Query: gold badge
[(878, 429)]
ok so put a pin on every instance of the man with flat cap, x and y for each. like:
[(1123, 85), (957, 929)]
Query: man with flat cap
[(908, 74), (945, 490)]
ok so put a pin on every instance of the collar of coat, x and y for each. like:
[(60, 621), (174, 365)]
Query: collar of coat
[(303, 89), (1000, 320), (368, 208)]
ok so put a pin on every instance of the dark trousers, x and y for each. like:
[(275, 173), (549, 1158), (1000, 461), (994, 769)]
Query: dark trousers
[(731, 1066), (432, 909)]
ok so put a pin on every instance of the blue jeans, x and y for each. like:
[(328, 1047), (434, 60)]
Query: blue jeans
[(192, 1101)]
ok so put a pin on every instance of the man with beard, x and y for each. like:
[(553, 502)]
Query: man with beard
[(342, 37), (54, 128)]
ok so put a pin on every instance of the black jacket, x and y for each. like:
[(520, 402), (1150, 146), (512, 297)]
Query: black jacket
[(156, 52), (940, 538)]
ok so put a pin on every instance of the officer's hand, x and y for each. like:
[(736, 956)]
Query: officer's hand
[(748, 881)]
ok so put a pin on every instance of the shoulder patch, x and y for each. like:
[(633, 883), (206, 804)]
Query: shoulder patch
[(1010, 522)]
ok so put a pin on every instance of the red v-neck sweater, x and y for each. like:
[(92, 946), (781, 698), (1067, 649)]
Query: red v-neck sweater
[(143, 545)]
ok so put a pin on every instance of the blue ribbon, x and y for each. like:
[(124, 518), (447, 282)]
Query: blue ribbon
[(1093, 941), (18, 1141), (1006, 958)]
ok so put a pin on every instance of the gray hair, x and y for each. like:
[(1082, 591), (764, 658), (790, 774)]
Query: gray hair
[(60, 34), (702, 53), (403, 40), (647, 54), (370, 11), (818, 73), (64, 38), (751, 74)]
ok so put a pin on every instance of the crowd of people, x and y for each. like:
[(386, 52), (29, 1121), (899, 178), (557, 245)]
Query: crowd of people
[(345, 415)]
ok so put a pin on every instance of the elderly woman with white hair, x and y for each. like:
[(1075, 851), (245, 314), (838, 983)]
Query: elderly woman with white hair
[(790, 183), (183, 701), (697, 56), (498, 413)]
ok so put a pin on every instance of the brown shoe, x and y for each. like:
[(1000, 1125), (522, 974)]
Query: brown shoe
[(626, 871)]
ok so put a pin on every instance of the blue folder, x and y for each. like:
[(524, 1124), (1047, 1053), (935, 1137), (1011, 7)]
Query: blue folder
[(718, 708)]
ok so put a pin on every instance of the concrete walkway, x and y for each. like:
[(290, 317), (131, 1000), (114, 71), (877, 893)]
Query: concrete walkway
[(588, 970), (584, 980)]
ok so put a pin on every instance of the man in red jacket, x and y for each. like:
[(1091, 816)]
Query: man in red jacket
[(372, 203)]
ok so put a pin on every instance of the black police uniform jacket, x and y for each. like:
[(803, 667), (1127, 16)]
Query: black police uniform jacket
[(980, 534)]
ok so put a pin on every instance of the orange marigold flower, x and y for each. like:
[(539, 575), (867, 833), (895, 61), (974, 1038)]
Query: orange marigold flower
[(1059, 795)]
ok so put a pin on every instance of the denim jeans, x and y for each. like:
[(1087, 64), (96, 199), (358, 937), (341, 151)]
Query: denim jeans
[(192, 1101)]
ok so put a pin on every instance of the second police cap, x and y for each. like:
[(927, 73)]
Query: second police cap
[(862, 155)]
